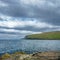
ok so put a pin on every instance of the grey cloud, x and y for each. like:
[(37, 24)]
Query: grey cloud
[(46, 12), (28, 28), (4, 32), (1, 19)]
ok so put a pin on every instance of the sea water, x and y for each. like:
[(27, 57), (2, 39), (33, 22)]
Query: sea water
[(28, 46)]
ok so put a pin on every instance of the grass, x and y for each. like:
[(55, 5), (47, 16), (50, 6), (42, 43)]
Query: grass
[(47, 35), (11, 56), (6, 56)]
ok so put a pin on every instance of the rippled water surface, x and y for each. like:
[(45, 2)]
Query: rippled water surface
[(29, 46)]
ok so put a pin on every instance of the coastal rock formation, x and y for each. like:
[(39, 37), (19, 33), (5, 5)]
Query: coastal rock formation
[(35, 56)]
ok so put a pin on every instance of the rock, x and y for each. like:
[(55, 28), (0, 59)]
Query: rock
[(48, 55), (35, 56)]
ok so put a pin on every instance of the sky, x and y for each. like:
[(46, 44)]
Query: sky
[(23, 17)]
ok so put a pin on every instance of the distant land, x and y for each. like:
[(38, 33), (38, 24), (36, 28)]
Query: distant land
[(55, 35)]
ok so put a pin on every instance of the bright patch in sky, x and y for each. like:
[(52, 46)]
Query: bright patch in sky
[(20, 23), (9, 24)]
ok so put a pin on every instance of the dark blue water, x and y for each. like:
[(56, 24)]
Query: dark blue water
[(29, 46)]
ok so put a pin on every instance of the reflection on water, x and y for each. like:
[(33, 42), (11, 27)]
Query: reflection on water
[(29, 46)]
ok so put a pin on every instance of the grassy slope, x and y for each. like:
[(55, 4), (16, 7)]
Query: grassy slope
[(47, 35)]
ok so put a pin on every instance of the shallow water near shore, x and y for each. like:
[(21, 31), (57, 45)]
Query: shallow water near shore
[(28, 46)]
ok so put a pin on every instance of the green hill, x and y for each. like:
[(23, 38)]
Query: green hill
[(45, 36)]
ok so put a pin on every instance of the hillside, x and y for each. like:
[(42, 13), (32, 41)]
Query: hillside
[(45, 36)]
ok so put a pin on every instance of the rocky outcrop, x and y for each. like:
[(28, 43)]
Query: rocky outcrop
[(35, 56), (48, 55)]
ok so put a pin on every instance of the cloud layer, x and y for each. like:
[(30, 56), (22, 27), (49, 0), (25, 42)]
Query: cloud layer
[(21, 17)]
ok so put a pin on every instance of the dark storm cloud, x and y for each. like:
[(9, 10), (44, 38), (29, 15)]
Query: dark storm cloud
[(1, 19), (48, 11), (3, 32), (13, 8), (31, 28)]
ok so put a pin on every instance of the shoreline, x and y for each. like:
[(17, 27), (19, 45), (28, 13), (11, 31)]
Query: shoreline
[(39, 39), (37, 55)]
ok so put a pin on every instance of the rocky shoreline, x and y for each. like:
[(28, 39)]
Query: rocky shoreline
[(34, 56)]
